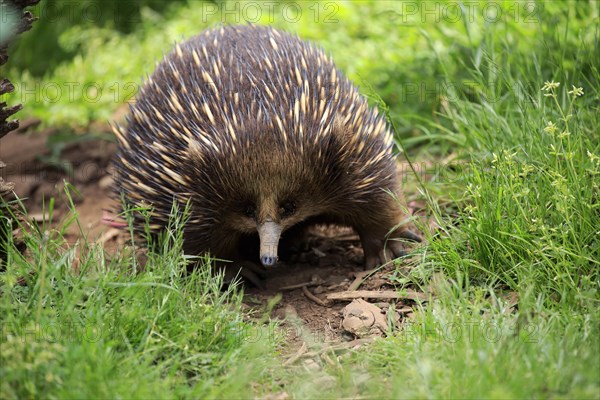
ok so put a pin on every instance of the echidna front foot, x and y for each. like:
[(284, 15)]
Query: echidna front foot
[(380, 248)]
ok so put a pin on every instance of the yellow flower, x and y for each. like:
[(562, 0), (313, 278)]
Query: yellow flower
[(550, 128), (564, 134), (550, 85), (576, 92)]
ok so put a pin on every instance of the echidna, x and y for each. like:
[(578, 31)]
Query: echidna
[(259, 132)]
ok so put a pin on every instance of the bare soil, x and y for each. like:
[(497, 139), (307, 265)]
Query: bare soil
[(330, 262)]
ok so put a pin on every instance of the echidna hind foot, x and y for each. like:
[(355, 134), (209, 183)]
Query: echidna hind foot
[(380, 248), (381, 237)]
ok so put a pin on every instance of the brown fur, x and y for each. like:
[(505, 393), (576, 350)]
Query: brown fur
[(250, 125)]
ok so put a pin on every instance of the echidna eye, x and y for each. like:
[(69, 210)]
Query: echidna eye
[(250, 211), (287, 209)]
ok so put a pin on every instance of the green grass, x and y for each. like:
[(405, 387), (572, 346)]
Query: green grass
[(95, 328), (518, 208)]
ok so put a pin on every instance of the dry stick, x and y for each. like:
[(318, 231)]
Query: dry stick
[(360, 277), (374, 294), (301, 284), (342, 238), (109, 235), (312, 297), (347, 238), (337, 347), (296, 356)]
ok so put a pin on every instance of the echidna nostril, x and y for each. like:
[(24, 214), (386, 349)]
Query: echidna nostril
[(268, 261)]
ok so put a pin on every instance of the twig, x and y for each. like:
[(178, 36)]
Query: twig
[(360, 277), (374, 294), (296, 356), (312, 297), (109, 235), (301, 284), (337, 347)]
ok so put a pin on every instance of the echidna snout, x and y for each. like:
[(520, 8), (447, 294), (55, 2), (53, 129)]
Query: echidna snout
[(269, 233)]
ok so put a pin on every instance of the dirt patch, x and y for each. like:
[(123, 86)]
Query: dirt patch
[(39, 170), (330, 262)]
